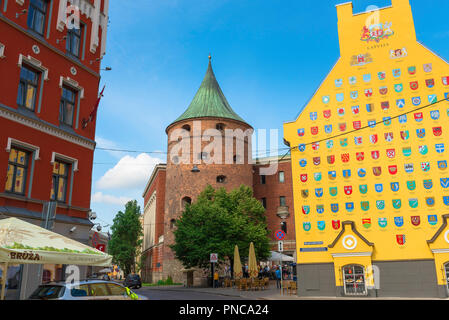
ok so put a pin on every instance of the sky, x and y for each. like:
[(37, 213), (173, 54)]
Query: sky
[(269, 57)]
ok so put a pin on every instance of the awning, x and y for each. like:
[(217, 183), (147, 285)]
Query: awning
[(25, 243), (276, 256)]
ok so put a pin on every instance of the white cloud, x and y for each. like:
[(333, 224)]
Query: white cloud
[(129, 173), (99, 197), (108, 144)]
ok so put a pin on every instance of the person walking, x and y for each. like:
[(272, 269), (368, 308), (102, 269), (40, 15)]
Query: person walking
[(278, 277), (216, 277)]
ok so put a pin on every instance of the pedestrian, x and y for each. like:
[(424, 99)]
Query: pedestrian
[(278, 277), (216, 277)]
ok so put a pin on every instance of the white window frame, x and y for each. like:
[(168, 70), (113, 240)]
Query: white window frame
[(34, 63), (34, 151), (59, 156), (2, 51), (283, 177), (365, 292), (18, 143), (70, 83)]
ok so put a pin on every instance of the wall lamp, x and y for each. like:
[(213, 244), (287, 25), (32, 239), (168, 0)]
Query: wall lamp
[(60, 40), (19, 14)]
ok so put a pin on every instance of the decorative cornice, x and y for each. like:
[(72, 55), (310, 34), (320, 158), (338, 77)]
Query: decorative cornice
[(160, 166), (55, 155), (46, 128), (150, 202), (12, 141), (440, 251), (33, 62), (49, 46), (73, 84), (352, 224)]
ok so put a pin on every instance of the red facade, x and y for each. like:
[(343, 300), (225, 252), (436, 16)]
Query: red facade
[(272, 190), (152, 249), (33, 117)]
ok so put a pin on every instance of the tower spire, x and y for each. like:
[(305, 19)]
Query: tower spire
[(209, 100)]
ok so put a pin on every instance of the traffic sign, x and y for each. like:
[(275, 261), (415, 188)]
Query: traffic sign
[(280, 235), (280, 246), (214, 257)]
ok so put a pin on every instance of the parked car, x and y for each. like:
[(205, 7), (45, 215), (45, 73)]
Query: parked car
[(133, 281), (84, 290)]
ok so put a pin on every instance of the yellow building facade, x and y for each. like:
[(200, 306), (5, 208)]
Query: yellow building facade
[(369, 164)]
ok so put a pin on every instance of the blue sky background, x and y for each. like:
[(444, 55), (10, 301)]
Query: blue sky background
[(269, 57)]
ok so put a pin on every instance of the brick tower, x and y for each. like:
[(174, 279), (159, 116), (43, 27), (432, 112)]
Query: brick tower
[(208, 121)]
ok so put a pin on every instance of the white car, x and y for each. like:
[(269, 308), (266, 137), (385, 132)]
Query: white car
[(84, 290)]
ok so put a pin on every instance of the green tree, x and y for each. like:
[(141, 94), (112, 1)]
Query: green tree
[(218, 221), (126, 237)]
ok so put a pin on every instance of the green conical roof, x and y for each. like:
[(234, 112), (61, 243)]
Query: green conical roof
[(209, 101)]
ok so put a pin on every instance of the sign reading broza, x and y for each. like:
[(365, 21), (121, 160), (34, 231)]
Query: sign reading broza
[(214, 257)]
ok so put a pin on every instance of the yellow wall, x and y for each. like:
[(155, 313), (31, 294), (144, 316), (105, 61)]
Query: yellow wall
[(385, 245)]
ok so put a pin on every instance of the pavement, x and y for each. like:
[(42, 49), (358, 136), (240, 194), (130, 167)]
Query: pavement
[(271, 293)]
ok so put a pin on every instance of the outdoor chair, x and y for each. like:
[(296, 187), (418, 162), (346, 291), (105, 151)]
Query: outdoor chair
[(293, 287), (286, 286), (243, 284), (237, 283), (266, 283), (257, 284)]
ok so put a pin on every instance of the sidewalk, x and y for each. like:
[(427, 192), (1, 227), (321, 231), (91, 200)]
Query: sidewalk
[(272, 294)]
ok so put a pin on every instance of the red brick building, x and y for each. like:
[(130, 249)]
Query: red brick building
[(49, 79), (153, 225), (186, 175)]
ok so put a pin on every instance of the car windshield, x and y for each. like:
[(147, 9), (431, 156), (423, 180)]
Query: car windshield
[(48, 292), (134, 277)]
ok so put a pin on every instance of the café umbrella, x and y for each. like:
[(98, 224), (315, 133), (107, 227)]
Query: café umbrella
[(252, 262), (237, 263), (25, 243)]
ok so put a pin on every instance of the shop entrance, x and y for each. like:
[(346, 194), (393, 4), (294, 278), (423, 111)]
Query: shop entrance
[(354, 280)]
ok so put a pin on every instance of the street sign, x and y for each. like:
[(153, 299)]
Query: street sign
[(280, 246), (214, 257), (280, 235)]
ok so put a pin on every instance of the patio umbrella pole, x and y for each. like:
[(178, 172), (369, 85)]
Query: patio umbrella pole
[(4, 274)]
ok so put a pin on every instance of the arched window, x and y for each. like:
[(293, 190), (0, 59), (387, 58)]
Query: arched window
[(220, 126), (186, 127), (354, 280), (172, 223), (185, 201), (446, 268), (221, 179)]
